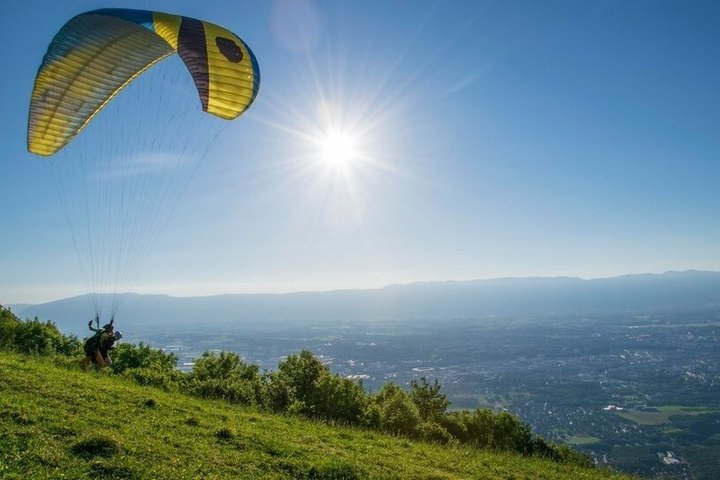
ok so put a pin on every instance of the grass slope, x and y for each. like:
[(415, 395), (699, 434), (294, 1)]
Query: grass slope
[(58, 423)]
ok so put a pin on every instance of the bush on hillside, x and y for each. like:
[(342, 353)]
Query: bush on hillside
[(454, 425), (398, 413), (339, 399), (130, 356), (8, 324), (476, 427), (304, 385), (34, 336), (146, 366), (429, 400), (511, 434), (226, 376), (434, 432), (299, 375), (278, 396)]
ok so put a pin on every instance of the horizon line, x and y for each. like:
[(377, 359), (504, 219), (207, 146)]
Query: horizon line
[(351, 289)]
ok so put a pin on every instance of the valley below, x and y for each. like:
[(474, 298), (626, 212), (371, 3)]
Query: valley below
[(639, 391)]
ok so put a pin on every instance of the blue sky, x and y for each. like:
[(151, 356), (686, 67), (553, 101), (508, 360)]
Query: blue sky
[(491, 139)]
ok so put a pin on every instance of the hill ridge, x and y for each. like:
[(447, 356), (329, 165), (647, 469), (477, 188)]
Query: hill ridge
[(472, 299)]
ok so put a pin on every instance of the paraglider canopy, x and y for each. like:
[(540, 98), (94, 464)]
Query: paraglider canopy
[(97, 53), (143, 133)]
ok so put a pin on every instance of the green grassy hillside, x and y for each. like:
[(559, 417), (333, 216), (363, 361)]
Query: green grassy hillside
[(60, 423)]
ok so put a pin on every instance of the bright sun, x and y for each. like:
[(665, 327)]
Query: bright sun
[(338, 148)]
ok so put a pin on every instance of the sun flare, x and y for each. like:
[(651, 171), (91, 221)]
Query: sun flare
[(338, 148)]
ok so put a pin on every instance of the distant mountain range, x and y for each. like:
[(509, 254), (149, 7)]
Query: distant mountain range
[(474, 299)]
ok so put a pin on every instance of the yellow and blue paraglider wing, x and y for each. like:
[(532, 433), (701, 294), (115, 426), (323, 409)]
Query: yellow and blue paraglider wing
[(97, 53)]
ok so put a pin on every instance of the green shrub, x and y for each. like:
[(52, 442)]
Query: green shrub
[(430, 402), (299, 374), (34, 337), (480, 427), (337, 398), (226, 376), (278, 395), (224, 365), (399, 415), (453, 423), (127, 356), (372, 416), (510, 433), (433, 432), (236, 390), (155, 377), (8, 325), (304, 385)]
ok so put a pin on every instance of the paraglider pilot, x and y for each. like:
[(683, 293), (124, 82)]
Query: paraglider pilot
[(97, 348)]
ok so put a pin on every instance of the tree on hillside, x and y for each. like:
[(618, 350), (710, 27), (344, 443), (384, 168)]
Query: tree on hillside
[(429, 400), (510, 433), (340, 399), (293, 387), (304, 385)]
